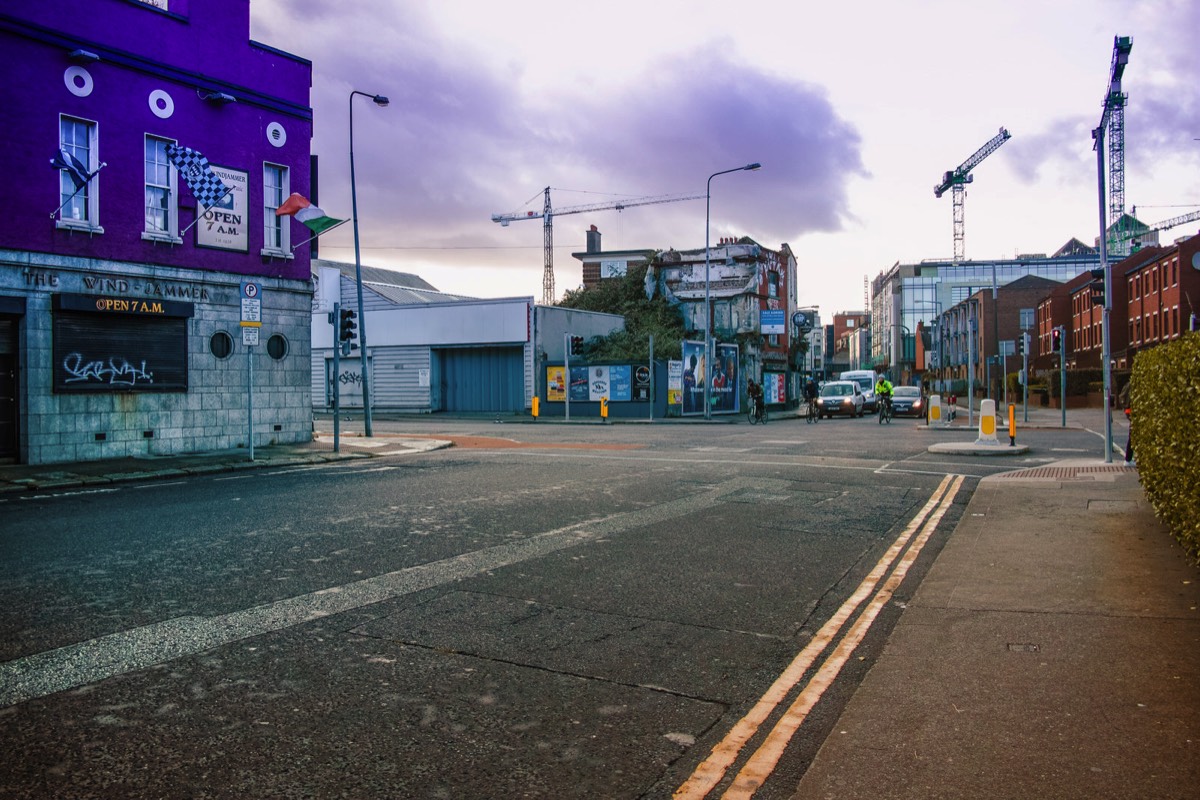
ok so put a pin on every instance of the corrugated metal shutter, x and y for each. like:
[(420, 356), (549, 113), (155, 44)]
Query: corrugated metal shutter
[(96, 353), (482, 379)]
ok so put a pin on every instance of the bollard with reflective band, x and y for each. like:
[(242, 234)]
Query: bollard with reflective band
[(604, 408), (935, 408), (1012, 424), (987, 423)]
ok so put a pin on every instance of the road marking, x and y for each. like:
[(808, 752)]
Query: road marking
[(118, 653), (713, 769), (760, 765), (52, 495)]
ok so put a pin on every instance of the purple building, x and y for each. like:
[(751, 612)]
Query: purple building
[(135, 299)]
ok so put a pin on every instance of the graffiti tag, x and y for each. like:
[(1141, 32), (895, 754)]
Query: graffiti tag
[(116, 371)]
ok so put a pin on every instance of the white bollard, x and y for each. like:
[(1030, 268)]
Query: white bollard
[(935, 409), (987, 423)]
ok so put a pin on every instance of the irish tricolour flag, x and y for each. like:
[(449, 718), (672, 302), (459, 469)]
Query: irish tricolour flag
[(315, 219)]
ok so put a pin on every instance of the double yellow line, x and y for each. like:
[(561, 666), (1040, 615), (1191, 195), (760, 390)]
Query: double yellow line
[(760, 765)]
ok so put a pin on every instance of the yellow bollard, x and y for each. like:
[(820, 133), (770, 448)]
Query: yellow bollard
[(604, 408), (987, 423), (535, 406), (1012, 424)]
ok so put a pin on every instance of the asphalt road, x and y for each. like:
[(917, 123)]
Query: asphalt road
[(547, 611)]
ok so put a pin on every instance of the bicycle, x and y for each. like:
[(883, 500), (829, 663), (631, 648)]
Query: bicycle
[(757, 414), (885, 410), (811, 414)]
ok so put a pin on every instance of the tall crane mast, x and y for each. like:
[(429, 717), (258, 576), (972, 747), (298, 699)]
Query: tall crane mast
[(1112, 121), (956, 181), (548, 214)]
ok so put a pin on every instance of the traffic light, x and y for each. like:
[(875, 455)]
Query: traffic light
[(1021, 345), (1056, 340), (576, 345), (347, 330)]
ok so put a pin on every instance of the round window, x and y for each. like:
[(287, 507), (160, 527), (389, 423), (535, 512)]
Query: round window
[(221, 344), (277, 347)]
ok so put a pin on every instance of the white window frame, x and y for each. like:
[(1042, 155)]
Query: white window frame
[(91, 192), (272, 223), (171, 188)]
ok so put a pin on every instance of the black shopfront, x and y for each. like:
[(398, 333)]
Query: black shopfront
[(119, 344)]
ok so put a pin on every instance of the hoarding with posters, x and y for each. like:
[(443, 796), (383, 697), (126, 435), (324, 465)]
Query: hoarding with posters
[(590, 383)]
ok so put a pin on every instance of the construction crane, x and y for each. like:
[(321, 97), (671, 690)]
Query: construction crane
[(956, 181), (1128, 238), (547, 215), (1112, 121)]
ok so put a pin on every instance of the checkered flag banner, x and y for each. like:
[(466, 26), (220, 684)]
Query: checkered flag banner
[(206, 187)]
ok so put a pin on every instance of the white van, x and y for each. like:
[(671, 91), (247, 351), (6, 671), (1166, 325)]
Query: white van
[(865, 378)]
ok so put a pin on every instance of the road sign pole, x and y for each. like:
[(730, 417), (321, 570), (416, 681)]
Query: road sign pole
[(1025, 375), (337, 371), (250, 398), (251, 303), (651, 365)]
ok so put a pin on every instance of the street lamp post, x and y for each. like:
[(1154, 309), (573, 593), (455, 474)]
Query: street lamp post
[(382, 102), (708, 317)]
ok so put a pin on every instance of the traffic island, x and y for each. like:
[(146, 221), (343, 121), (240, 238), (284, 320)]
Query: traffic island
[(987, 444)]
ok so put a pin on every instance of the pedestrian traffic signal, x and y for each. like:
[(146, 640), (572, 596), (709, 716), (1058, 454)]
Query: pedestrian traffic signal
[(1056, 340)]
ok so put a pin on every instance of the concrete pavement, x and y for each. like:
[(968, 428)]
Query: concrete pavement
[(1052, 651)]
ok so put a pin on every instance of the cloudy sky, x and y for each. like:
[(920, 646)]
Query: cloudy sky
[(855, 111)]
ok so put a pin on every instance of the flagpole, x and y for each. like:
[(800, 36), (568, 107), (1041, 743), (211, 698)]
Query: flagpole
[(205, 210), (322, 233), (54, 213)]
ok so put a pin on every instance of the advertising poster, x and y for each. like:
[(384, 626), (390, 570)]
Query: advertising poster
[(674, 383), (620, 383), (579, 384), (598, 383), (693, 378), (556, 385), (226, 225), (773, 388), (772, 321), (641, 383), (724, 394)]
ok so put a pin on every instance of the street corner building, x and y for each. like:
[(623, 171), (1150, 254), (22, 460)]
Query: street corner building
[(147, 286)]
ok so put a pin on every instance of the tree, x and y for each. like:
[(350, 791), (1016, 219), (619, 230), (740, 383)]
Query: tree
[(644, 317)]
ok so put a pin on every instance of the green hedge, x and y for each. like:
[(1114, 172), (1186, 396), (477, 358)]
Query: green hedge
[(1165, 403)]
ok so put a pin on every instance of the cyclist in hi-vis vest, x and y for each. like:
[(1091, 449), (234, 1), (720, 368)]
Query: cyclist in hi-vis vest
[(883, 391)]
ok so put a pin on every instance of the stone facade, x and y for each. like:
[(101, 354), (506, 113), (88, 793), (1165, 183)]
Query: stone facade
[(121, 313)]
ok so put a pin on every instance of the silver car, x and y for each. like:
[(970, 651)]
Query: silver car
[(840, 397)]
